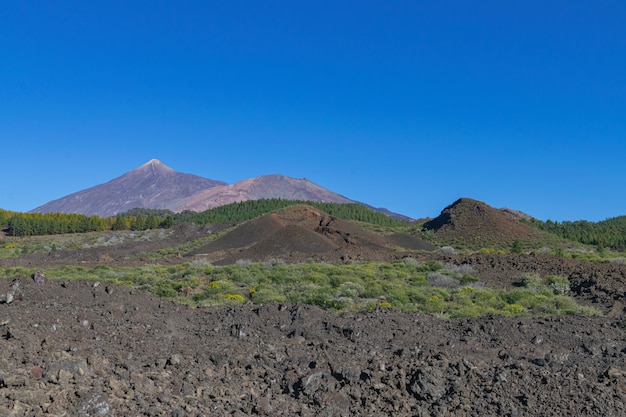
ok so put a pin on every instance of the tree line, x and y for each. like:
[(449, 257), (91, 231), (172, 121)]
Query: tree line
[(38, 224), (248, 210), (609, 233)]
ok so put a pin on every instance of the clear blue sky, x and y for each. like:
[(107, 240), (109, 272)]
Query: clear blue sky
[(407, 105)]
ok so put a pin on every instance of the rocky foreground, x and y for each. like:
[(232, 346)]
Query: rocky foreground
[(83, 349)]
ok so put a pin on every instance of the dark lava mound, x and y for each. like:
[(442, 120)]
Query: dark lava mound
[(470, 220), (301, 233)]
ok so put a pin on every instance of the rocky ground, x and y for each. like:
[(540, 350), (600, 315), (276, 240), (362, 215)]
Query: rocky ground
[(601, 285), (82, 349), (79, 348)]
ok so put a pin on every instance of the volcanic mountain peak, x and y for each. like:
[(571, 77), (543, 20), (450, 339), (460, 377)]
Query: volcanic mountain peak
[(152, 185), (153, 170), (155, 162)]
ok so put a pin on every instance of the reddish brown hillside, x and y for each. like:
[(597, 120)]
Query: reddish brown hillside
[(266, 186), (299, 233), (473, 221)]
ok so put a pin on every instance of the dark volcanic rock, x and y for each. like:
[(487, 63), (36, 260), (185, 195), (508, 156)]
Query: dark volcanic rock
[(141, 355), (39, 277)]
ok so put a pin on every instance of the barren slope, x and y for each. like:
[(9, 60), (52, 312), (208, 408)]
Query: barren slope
[(266, 186), (300, 233)]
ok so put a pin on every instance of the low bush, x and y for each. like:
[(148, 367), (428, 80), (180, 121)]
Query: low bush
[(558, 284), (447, 250), (437, 279)]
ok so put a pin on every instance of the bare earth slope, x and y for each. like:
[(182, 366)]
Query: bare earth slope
[(266, 186), (300, 233), (82, 349)]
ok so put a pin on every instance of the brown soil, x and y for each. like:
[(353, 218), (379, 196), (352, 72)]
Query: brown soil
[(80, 348)]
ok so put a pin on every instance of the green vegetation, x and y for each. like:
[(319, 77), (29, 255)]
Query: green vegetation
[(610, 233), (446, 290), (248, 210), (516, 247), (37, 224)]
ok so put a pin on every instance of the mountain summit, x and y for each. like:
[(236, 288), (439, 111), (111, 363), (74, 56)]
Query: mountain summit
[(156, 167), (152, 185)]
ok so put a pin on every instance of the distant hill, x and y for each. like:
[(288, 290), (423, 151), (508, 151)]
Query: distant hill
[(302, 232), (474, 222), (273, 187), (263, 187), (154, 185)]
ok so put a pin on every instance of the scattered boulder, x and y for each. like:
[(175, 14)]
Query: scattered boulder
[(39, 277)]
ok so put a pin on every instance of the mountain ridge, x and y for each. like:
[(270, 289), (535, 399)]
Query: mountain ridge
[(154, 185), (264, 186)]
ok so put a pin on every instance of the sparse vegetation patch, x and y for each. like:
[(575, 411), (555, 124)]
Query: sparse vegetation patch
[(447, 290)]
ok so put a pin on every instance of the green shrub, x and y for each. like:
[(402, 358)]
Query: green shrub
[(514, 309), (522, 296), (516, 247), (558, 284), (233, 298), (351, 289), (432, 266), (164, 290), (434, 304), (267, 295), (532, 281), (398, 297)]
